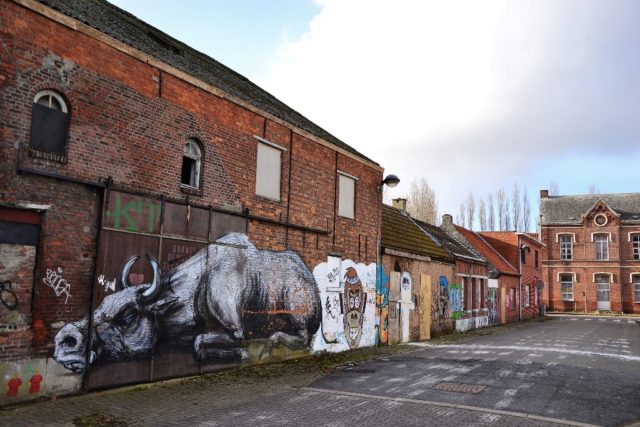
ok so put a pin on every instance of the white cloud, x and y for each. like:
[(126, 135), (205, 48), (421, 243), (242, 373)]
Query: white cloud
[(470, 94)]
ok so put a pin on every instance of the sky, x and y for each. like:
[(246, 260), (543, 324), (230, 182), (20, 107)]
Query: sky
[(471, 95)]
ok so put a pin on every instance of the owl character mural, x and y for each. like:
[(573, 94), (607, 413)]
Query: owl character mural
[(355, 302)]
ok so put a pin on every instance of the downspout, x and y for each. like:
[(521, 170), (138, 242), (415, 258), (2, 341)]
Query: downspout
[(520, 252)]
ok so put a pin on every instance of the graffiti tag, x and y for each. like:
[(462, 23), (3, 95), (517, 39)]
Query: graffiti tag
[(107, 283), (54, 279), (135, 214)]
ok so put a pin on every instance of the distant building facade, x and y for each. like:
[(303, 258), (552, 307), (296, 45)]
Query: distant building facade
[(592, 256), (524, 252)]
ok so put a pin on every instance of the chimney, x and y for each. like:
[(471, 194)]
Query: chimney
[(399, 203), (447, 219), (544, 194)]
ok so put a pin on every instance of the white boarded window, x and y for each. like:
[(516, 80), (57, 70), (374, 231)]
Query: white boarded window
[(347, 194), (268, 171)]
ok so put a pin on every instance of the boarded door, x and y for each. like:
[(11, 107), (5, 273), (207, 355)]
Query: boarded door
[(171, 233), (424, 307), (394, 308)]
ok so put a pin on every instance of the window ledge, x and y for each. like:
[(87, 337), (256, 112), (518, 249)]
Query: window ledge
[(271, 199), (192, 191), (58, 158)]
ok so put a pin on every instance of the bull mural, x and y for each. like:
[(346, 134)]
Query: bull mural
[(226, 293)]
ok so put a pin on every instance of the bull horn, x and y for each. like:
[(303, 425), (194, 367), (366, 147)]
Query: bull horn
[(153, 290), (124, 274)]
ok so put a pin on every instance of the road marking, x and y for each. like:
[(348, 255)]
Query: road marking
[(625, 357), (449, 405)]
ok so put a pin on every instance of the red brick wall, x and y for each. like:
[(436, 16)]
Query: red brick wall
[(130, 121), (508, 282), (620, 264)]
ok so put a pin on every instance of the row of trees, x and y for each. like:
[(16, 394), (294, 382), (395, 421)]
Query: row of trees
[(500, 211), (505, 212)]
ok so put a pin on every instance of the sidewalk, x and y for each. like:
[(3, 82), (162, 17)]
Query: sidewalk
[(174, 401), (594, 314)]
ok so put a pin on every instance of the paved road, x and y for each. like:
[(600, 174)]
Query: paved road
[(560, 372), (581, 369)]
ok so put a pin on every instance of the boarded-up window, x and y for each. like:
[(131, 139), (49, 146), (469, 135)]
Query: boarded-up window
[(268, 171), (347, 193), (49, 122)]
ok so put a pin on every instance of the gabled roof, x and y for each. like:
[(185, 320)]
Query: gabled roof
[(400, 232), (570, 210), (449, 243), (493, 256), (125, 27)]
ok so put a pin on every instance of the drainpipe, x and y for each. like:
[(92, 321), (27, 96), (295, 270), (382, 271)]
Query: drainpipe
[(520, 253)]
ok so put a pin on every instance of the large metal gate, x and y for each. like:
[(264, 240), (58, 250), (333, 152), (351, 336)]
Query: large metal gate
[(171, 232)]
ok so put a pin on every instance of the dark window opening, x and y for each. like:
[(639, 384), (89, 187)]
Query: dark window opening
[(49, 124)]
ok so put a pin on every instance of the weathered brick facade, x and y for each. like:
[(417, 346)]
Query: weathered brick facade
[(130, 116), (611, 217)]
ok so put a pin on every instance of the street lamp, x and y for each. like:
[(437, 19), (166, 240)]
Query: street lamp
[(391, 180)]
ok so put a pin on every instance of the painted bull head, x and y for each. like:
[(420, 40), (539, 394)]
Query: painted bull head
[(124, 325)]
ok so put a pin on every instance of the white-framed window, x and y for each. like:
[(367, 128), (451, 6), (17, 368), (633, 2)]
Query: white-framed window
[(49, 124), (566, 286), (191, 163), (635, 245), (636, 288), (51, 99), (526, 298), (602, 246), (566, 246), (268, 169), (346, 195)]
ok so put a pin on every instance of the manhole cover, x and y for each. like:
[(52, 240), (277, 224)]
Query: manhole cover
[(461, 388)]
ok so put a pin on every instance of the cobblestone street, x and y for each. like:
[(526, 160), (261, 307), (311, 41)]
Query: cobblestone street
[(536, 373)]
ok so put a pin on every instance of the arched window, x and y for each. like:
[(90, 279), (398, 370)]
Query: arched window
[(191, 161), (49, 124)]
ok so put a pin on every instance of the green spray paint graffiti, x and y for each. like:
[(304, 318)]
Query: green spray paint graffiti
[(133, 213)]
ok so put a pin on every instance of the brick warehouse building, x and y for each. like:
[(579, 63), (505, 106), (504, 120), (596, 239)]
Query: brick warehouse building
[(118, 141), (592, 256)]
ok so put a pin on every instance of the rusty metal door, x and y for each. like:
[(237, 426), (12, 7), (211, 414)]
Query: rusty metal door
[(135, 225)]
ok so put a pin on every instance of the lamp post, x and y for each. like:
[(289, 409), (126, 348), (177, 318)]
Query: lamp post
[(390, 181)]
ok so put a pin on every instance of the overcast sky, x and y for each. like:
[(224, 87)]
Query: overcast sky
[(472, 95)]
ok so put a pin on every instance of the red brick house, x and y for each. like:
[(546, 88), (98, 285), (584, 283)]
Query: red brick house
[(524, 252), (503, 276), (117, 142), (592, 256), (415, 302), (477, 309)]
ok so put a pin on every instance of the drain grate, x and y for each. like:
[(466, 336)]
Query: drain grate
[(461, 388)]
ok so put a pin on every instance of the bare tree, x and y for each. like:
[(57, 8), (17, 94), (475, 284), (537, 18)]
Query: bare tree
[(516, 207), (492, 214), (554, 189), (593, 189), (501, 208), (482, 215), (507, 215), (461, 215), (471, 210), (422, 203), (526, 211)]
